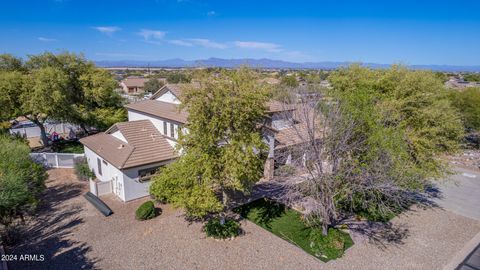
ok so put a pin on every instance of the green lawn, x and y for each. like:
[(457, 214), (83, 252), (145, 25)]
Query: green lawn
[(68, 147), (287, 224)]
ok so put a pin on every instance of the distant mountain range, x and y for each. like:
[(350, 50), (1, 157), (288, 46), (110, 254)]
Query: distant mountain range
[(265, 63)]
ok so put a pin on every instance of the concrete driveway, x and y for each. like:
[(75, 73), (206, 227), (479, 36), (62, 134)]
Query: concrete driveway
[(461, 193)]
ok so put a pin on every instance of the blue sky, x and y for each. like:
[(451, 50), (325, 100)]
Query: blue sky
[(408, 32)]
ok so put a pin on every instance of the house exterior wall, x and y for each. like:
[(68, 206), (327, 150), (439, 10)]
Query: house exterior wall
[(133, 188), (109, 172), (156, 121), (169, 97)]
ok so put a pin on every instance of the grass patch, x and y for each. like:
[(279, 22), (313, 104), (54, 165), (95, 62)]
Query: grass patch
[(74, 147), (288, 225)]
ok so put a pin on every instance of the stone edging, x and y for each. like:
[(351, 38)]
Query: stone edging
[(463, 253)]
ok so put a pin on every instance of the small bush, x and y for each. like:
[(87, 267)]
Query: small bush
[(145, 211), (285, 170), (214, 228), (82, 170)]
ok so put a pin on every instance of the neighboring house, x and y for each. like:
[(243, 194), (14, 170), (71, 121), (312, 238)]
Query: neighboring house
[(459, 83), (135, 85), (129, 153)]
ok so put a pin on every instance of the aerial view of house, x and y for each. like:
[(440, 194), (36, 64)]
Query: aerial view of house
[(199, 134)]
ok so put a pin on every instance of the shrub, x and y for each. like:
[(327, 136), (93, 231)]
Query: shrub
[(145, 211), (285, 170), (21, 183), (214, 228), (82, 170)]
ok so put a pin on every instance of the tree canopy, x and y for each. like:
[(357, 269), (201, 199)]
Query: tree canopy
[(289, 81), (59, 86), (467, 103), (380, 135), (152, 85), (221, 151), (178, 77)]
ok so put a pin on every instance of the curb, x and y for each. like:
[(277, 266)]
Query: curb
[(463, 253)]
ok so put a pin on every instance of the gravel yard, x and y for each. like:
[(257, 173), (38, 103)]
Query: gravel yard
[(72, 234)]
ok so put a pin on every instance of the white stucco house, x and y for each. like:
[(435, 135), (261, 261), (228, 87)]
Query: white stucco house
[(125, 156)]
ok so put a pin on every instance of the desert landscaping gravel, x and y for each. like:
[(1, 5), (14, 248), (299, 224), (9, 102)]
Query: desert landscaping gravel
[(72, 234)]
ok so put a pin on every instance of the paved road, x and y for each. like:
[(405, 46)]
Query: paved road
[(461, 194)]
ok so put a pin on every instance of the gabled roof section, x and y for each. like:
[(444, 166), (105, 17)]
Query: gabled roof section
[(134, 81), (294, 135), (160, 109), (175, 89), (274, 106), (145, 145), (113, 150)]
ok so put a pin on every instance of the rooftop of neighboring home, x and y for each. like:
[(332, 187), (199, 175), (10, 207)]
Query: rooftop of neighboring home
[(130, 144), (296, 134), (160, 109), (134, 81)]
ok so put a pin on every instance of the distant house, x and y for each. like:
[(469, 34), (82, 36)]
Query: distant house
[(459, 83), (135, 85), (127, 155)]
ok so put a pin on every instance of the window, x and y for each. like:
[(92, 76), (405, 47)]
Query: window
[(145, 174), (164, 128), (172, 130), (99, 165)]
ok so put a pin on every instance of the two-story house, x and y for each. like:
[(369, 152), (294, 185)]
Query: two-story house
[(125, 156)]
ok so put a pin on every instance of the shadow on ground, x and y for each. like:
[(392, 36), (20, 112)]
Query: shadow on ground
[(382, 234), (46, 232)]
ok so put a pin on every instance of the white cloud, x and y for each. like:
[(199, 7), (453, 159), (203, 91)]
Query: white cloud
[(211, 13), (44, 39), (107, 30), (207, 43), (180, 43), (151, 35), (269, 47)]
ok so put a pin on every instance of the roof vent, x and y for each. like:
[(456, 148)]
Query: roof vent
[(121, 146)]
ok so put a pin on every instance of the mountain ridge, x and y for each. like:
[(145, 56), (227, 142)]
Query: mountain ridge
[(265, 63)]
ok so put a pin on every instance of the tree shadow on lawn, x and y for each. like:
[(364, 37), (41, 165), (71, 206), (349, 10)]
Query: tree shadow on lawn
[(48, 232)]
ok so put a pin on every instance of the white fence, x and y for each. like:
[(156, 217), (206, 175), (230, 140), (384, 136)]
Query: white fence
[(56, 160), (99, 188), (31, 132)]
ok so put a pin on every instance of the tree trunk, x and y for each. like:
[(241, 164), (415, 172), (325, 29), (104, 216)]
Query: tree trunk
[(324, 229), (84, 128), (224, 202), (43, 134)]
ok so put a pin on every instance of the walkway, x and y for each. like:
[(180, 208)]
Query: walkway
[(461, 194)]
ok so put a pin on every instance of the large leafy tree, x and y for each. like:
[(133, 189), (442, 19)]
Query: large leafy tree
[(59, 86), (21, 180), (468, 103), (222, 150), (152, 85), (379, 137)]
